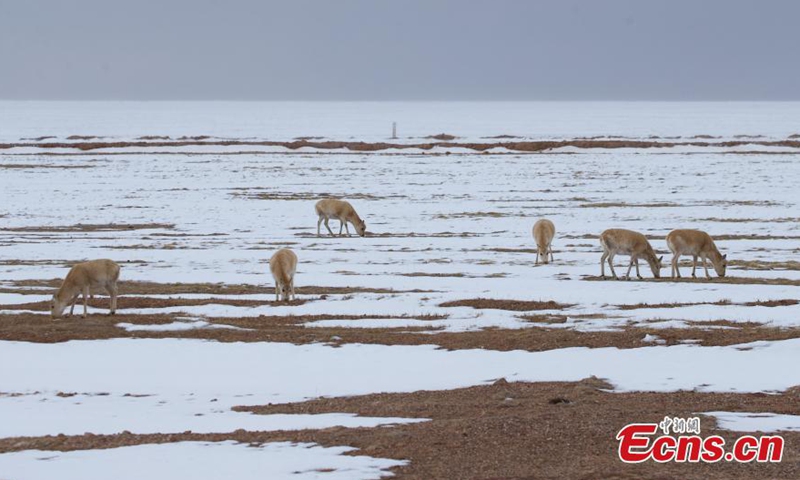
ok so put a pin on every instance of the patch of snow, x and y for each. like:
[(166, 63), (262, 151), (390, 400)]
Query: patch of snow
[(199, 461), (756, 422)]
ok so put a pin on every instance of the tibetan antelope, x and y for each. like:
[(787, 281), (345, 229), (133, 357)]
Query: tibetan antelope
[(283, 266), (81, 279), (696, 244), (543, 233), (342, 211), (626, 242)]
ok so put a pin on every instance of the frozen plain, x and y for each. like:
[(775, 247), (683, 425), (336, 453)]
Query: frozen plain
[(453, 226)]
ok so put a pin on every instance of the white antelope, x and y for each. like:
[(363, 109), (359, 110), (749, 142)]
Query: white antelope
[(283, 266), (627, 242), (697, 244), (543, 233), (342, 211), (81, 279)]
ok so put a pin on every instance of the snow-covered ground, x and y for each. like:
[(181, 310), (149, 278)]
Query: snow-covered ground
[(450, 227), (170, 386), (756, 422), (198, 460)]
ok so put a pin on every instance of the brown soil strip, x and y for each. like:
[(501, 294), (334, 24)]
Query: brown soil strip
[(447, 216), (751, 220), (108, 227), (151, 288), (442, 136), (523, 146), (124, 303), (36, 327), (256, 195), (513, 305), (12, 166), (553, 430), (40, 328), (628, 205), (450, 275), (591, 236), (405, 235), (510, 250), (62, 263), (757, 303), (725, 280), (761, 265)]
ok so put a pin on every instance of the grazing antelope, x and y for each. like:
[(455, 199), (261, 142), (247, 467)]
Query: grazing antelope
[(543, 233), (283, 265), (697, 244), (627, 242), (342, 211), (81, 279)]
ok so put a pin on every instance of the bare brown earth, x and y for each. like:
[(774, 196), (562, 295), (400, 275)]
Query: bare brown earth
[(255, 194), (152, 288), (498, 431), (31, 165), (107, 227), (298, 329), (514, 305), (758, 303), (754, 236), (521, 146), (700, 279)]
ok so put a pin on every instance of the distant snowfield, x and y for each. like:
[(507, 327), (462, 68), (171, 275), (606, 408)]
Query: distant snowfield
[(197, 460), (372, 121)]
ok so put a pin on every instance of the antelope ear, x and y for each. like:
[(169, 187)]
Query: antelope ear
[(725, 257), (661, 258)]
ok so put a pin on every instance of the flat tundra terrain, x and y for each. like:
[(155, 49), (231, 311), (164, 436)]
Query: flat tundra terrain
[(432, 347)]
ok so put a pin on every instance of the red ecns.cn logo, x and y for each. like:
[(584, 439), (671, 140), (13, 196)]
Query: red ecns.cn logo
[(637, 444)]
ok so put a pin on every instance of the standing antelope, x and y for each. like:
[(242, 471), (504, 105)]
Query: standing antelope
[(627, 242), (283, 265), (543, 233), (342, 211), (83, 277), (697, 244)]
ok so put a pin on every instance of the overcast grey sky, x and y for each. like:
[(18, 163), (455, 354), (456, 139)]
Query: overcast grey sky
[(405, 49)]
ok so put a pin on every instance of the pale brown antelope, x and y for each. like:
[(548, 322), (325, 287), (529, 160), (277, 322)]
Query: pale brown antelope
[(283, 266), (627, 242), (342, 211), (543, 233), (697, 244), (81, 279)]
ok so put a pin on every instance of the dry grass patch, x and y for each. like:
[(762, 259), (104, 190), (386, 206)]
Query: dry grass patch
[(125, 303), (724, 280), (451, 275), (509, 250), (762, 265), (757, 303), (25, 166), (629, 205), (442, 136), (512, 305), (38, 327), (489, 431), (447, 216), (751, 220), (106, 227), (254, 194), (152, 288)]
